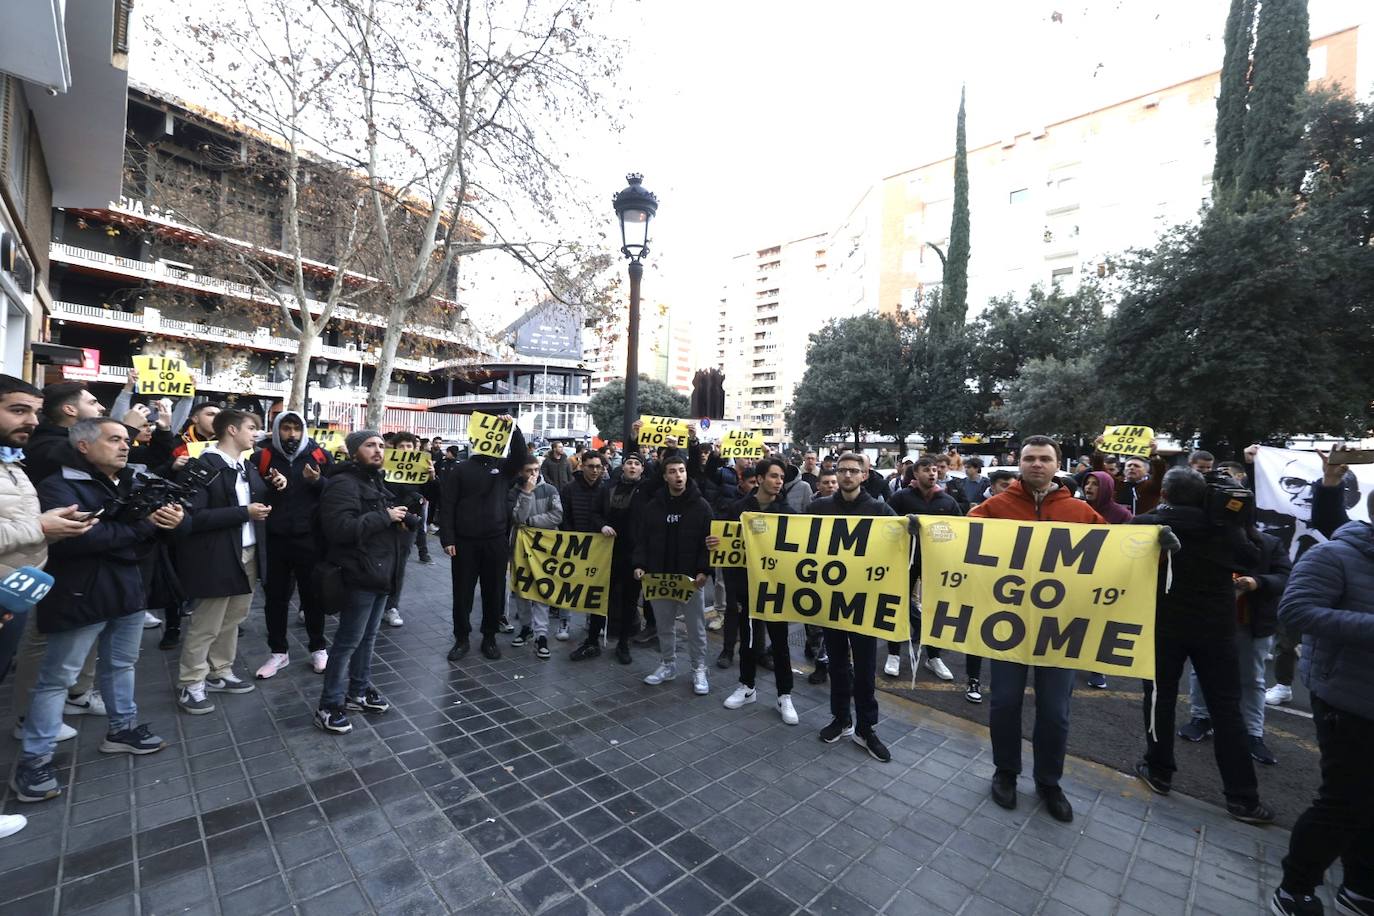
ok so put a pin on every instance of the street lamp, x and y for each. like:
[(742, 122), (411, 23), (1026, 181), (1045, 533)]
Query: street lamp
[(634, 206)]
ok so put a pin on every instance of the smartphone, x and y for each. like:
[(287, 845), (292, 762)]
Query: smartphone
[(1351, 456), (94, 514)]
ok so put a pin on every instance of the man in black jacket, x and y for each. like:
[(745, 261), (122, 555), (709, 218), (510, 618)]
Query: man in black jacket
[(49, 448), (368, 542), (1196, 621), (97, 597), (218, 562), (473, 525), (619, 510), (579, 497), (292, 547)]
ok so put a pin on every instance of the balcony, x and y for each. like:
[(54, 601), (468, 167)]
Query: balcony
[(478, 400)]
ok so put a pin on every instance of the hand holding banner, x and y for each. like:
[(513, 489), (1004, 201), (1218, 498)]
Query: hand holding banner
[(730, 552), (742, 443), (565, 569), (1042, 593), (164, 375), (667, 587), (1127, 440), (655, 431), (489, 435), (404, 466)]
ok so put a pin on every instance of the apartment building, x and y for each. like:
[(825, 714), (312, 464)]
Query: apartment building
[(665, 348)]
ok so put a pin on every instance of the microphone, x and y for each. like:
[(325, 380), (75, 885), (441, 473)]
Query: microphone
[(23, 588)]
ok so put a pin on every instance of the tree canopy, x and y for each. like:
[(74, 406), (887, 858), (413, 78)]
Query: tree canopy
[(607, 406)]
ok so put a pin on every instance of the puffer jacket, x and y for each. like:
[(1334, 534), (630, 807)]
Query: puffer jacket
[(363, 541), (540, 508), (1330, 600), (21, 535), (579, 504)]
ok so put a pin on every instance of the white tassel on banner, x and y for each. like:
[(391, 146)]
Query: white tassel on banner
[(1168, 571), (1154, 698)]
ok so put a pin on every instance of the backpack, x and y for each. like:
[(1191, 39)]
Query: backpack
[(265, 460)]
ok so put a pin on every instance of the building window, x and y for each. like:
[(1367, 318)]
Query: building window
[(1061, 277), (1019, 196), (1316, 63)]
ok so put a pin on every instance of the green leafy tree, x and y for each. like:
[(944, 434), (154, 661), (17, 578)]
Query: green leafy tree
[(1053, 396), (1273, 123), (850, 384), (1232, 98), (955, 289), (607, 406)]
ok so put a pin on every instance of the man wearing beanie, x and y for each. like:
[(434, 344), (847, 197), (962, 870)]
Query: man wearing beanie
[(473, 520), (617, 513)]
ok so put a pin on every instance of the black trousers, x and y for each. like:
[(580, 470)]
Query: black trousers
[(421, 542), (748, 654), (394, 599), (736, 616), (622, 618), (1214, 660), (853, 679), (1340, 823), (290, 563), (478, 560)]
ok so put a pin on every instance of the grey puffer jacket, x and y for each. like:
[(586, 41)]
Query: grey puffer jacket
[(1330, 600), (540, 508)]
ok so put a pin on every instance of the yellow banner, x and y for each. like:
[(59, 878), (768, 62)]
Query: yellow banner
[(563, 569), (489, 435), (164, 375), (331, 440), (1042, 593), (839, 571), (405, 466), (656, 430), (730, 553), (1127, 440), (667, 587), (741, 443)]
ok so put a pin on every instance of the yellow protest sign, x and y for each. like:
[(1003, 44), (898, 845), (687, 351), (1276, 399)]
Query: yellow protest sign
[(405, 466), (741, 443), (845, 572), (1127, 440), (1042, 593), (655, 431), (164, 375), (489, 435), (331, 440), (563, 569), (667, 587), (730, 552)]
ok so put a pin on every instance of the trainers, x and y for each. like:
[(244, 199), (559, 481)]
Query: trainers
[(524, 636), (741, 696), (837, 729), (319, 660), (585, 651), (725, 660), (90, 703), (974, 691), (139, 740), (64, 731), (820, 675), (1097, 681), (646, 636), (1260, 753), (666, 671), (1285, 904), (193, 701), (504, 625), (228, 683), (869, 741), (171, 638), (1278, 695), (787, 710), (333, 721), (541, 647), (1347, 904), (622, 653), (151, 621), (36, 782), (700, 685), (715, 622), (370, 701), (562, 635), (937, 667), (1146, 775), (490, 650), (10, 824), (1196, 730), (893, 666), (1250, 814), (275, 662), (392, 618)]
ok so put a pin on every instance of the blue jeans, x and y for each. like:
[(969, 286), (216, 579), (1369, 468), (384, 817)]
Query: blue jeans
[(1053, 690), (1251, 651), (119, 642), (351, 653)]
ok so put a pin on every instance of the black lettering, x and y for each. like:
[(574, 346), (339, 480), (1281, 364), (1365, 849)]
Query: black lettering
[(942, 620), (1060, 550), (524, 578), (855, 539), (769, 594), (806, 602), (1056, 590), (833, 573), (569, 594), (780, 541), (989, 630), (578, 546), (1117, 635), (537, 541), (975, 541), (1005, 595), (1068, 639), (885, 613), (850, 608), (1021, 546)]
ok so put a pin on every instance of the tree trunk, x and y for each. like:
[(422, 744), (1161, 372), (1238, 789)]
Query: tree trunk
[(305, 350), (381, 380)]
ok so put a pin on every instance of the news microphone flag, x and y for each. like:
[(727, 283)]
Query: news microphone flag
[(23, 588)]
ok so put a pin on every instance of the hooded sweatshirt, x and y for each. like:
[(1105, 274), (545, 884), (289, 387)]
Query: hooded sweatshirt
[(292, 507), (1105, 504)]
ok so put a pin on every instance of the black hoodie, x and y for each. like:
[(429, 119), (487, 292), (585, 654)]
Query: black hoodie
[(294, 506), (672, 534), (472, 496)]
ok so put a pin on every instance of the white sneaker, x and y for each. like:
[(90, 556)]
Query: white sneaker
[(937, 667), (562, 634), (741, 696), (319, 659), (90, 703), (664, 672), (64, 733), (300, 617), (151, 621), (275, 662), (10, 824), (1278, 695), (893, 666), (700, 686), (392, 617), (714, 622), (787, 710)]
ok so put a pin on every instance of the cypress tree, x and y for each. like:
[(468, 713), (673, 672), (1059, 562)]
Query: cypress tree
[(1232, 98), (954, 295), (1273, 126)]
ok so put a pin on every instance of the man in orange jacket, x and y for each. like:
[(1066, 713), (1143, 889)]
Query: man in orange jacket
[(1034, 498)]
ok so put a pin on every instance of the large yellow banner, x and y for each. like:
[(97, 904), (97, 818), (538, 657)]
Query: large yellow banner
[(1042, 593), (742, 443), (729, 553), (840, 571), (563, 569), (405, 466), (164, 376), (655, 431), (1127, 440), (489, 435)]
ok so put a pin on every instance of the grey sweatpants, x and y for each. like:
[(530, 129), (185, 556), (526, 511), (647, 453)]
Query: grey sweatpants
[(693, 612)]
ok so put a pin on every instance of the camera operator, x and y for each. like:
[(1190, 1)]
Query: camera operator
[(1196, 621), (219, 560), (97, 597)]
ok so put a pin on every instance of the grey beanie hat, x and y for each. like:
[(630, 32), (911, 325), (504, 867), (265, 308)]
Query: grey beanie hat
[(357, 438)]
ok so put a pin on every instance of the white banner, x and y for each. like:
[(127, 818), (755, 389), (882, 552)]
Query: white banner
[(1284, 482)]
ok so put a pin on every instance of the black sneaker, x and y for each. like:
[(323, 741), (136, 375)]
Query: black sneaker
[(171, 638), (505, 626), (36, 782), (460, 648), (837, 729), (139, 740), (229, 683), (1056, 803), (524, 636), (333, 721), (1196, 730), (541, 646), (1347, 905), (585, 651), (1250, 814), (426, 559), (725, 660), (870, 742), (622, 653), (1157, 785), (490, 650), (974, 693), (1284, 903), (1260, 752), (820, 675), (370, 701), (1004, 790)]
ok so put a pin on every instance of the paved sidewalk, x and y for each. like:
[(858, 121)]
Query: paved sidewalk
[(527, 786)]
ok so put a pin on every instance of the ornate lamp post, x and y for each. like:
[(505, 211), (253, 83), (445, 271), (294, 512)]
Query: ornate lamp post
[(634, 206)]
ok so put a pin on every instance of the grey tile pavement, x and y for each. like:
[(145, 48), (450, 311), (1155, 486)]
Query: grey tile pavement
[(528, 786)]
